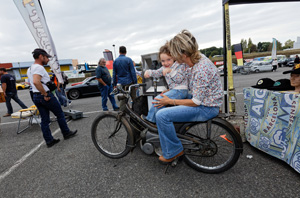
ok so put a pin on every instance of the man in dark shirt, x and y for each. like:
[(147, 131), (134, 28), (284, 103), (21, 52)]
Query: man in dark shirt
[(297, 60), (124, 73), (105, 86), (10, 92)]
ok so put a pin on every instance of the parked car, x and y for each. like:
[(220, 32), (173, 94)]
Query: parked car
[(78, 83), (22, 85), (290, 62), (259, 66), (89, 87), (235, 69)]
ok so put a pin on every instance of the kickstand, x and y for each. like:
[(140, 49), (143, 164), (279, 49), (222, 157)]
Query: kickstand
[(173, 164)]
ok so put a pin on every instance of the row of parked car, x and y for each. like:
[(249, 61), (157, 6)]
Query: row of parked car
[(255, 66)]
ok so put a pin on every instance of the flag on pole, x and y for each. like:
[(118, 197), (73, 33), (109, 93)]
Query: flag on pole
[(239, 54), (109, 60), (33, 15), (274, 47)]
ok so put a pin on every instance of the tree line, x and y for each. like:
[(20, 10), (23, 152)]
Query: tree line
[(249, 47)]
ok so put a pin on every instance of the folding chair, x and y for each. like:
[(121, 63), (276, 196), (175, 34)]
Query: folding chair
[(31, 113)]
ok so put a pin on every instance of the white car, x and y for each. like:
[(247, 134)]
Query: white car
[(260, 66)]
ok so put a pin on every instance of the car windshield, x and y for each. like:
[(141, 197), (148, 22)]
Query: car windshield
[(87, 79)]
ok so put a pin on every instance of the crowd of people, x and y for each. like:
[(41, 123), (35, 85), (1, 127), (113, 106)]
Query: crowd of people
[(195, 91)]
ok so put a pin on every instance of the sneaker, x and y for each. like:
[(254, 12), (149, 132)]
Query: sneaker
[(105, 109), (7, 115), (53, 142), (117, 109), (70, 134)]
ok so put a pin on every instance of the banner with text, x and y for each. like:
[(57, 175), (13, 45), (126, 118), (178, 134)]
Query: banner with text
[(34, 18), (272, 123)]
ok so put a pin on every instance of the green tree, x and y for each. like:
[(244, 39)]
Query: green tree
[(288, 44), (244, 44), (249, 45)]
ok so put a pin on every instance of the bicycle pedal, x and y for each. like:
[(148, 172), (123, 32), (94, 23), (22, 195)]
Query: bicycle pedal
[(174, 162)]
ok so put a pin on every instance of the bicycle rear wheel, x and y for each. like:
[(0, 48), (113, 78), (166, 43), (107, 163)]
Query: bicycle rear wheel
[(111, 137), (213, 153)]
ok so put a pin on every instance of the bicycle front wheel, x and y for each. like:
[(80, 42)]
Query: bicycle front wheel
[(111, 137), (212, 152)]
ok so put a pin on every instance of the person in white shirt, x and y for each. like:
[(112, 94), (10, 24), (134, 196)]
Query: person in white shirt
[(274, 64), (44, 100)]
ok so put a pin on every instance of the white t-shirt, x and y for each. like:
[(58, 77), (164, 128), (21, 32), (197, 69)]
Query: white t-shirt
[(40, 70)]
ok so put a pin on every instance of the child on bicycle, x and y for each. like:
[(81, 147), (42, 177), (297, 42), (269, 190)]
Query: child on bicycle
[(176, 76)]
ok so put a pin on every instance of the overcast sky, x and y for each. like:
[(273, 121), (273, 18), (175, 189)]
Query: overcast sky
[(83, 29)]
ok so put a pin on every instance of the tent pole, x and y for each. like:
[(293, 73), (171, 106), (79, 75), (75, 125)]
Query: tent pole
[(225, 62)]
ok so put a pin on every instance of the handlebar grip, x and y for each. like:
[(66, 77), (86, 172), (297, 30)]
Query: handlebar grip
[(142, 84)]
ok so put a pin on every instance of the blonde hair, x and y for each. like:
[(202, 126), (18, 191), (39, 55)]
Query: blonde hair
[(164, 50), (184, 43)]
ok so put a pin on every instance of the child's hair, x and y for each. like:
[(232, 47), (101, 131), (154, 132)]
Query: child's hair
[(164, 50)]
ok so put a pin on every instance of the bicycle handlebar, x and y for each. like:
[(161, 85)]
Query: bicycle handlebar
[(119, 88)]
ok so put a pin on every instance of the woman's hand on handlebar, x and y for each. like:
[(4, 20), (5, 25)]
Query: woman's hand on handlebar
[(162, 102)]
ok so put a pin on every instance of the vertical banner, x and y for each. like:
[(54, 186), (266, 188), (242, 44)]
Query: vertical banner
[(34, 18), (239, 54), (274, 47)]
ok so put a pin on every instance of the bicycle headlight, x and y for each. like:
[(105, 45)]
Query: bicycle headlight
[(120, 96)]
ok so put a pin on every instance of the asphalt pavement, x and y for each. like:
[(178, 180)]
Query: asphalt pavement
[(74, 167)]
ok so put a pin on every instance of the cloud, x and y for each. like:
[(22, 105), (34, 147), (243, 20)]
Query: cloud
[(83, 29)]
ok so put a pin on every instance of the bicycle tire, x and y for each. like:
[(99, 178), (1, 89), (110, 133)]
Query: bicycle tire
[(223, 150), (116, 146)]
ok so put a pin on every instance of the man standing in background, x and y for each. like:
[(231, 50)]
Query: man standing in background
[(10, 91), (44, 100), (104, 85), (124, 73)]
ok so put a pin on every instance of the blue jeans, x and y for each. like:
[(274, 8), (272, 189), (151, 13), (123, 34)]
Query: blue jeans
[(61, 96), (44, 108), (14, 96), (170, 144), (173, 94), (105, 93)]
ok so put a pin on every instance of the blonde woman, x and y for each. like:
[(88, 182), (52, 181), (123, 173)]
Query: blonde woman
[(206, 95)]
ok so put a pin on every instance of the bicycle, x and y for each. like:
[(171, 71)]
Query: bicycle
[(212, 146)]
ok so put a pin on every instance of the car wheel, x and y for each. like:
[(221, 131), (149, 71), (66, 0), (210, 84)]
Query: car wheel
[(74, 94), (256, 70), (19, 88)]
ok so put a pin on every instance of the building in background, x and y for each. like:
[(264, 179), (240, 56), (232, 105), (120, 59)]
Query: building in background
[(297, 43), (19, 69)]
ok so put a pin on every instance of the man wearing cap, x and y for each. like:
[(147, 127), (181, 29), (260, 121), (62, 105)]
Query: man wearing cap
[(295, 77), (44, 99), (10, 91)]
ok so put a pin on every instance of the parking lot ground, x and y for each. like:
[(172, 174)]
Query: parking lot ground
[(74, 167)]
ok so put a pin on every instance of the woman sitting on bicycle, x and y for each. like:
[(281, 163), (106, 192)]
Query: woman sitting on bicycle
[(206, 89)]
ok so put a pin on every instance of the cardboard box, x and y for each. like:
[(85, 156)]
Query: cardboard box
[(2, 98)]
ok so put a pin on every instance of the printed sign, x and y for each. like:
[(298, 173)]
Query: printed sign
[(272, 123)]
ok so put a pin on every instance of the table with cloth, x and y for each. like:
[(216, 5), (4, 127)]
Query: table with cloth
[(272, 123)]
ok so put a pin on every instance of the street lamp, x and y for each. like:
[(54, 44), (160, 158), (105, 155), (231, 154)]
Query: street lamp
[(114, 50), (20, 71)]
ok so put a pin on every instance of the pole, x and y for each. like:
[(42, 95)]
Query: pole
[(20, 71), (114, 51), (225, 62), (231, 90)]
